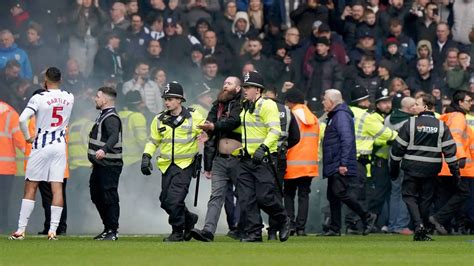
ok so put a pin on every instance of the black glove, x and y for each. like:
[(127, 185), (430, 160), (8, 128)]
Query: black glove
[(363, 159), (454, 169), (462, 163), (146, 164), (259, 154)]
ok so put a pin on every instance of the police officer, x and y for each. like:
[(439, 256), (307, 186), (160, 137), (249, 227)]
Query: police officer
[(290, 136), (105, 154), (421, 144), (174, 132), (256, 185), (383, 138)]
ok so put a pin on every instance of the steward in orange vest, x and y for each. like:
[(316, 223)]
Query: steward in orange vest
[(11, 139), (301, 160), (454, 191)]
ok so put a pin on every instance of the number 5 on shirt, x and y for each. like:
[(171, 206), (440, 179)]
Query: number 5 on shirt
[(57, 116)]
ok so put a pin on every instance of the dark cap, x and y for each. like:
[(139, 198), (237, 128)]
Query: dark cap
[(359, 93), (253, 79), (381, 94), (324, 28), (170, 21), (365, 34), (133, 97), (294, 96), (173, 90), (323, 40), (197, 47)]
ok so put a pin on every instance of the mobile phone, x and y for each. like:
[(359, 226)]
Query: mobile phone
[(435, 12)]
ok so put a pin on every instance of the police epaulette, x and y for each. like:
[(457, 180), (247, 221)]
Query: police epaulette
[(191, 109)]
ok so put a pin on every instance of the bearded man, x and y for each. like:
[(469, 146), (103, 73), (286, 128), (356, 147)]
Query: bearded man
[(222, 126)]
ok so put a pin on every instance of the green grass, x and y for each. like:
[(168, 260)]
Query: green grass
[(311, 250)]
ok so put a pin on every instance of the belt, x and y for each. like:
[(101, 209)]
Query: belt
[(226, 156)]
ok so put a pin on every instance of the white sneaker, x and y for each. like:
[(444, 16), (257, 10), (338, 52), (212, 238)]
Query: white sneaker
[(17, 236), (384, 229)]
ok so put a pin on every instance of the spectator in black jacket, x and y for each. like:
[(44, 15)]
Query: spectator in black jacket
[(425, 26), (326, 74), (107, 62), (306, 13), (398, 63), (396, 10), (176, 48), (441, 45), (219, 52), (351, 19), (40, 54), (256, 57)]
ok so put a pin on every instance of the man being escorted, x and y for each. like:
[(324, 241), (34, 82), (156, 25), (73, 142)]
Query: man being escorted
[(174, 132), (420, 146), (220, 165), (257, 184), (340, 163), (105, 154)]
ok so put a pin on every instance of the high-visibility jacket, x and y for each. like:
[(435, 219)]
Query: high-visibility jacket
[(462, 135), (177, 144), (201, 110), (302, 159), (78, 143), (470, 122), (384, 134), (10, 138), (134, 135), (28, 147), (260, 126)]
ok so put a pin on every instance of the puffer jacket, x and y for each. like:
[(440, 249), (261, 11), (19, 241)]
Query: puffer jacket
[(339, 147)]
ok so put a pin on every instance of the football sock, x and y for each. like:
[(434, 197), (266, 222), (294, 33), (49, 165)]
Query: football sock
[(55, 217), (27, 207)]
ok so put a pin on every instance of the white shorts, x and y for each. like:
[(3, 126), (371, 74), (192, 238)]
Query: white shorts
[(47, 164)]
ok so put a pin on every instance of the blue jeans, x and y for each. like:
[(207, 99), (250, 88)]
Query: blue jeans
[(399, 218)]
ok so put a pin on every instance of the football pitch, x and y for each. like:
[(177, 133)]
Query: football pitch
[(310, 250)]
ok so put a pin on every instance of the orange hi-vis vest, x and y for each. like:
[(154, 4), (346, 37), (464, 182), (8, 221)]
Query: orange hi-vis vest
[(32, 130), (302, 159), (462, 135), (10, 138)]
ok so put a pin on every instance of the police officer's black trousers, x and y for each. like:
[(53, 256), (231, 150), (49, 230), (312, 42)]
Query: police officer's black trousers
[(257, 190), (382, 186), (357, 189), (174, 189), (103, 184), (303, 185), (452, 195), (281, 169), (417, 193), (46, 199), (337, 193)]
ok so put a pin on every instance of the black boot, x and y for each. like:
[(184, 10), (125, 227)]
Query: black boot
[(176, 236), (254, 237), (190, 222), (285, 230), (202, 235), (421, 234), (101, 235), (234, 234), (369, 223)]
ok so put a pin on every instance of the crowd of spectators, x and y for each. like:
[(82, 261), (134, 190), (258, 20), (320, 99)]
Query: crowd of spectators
[(406, 46)]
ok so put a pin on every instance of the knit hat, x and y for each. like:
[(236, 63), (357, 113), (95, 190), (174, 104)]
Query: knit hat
[(323, 40), (391, 40), (294, 96)]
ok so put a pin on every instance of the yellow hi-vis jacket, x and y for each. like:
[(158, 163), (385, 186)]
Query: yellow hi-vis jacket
[(383, 134), (134, 135), (262, 126), (78, 143), (176, 145)]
